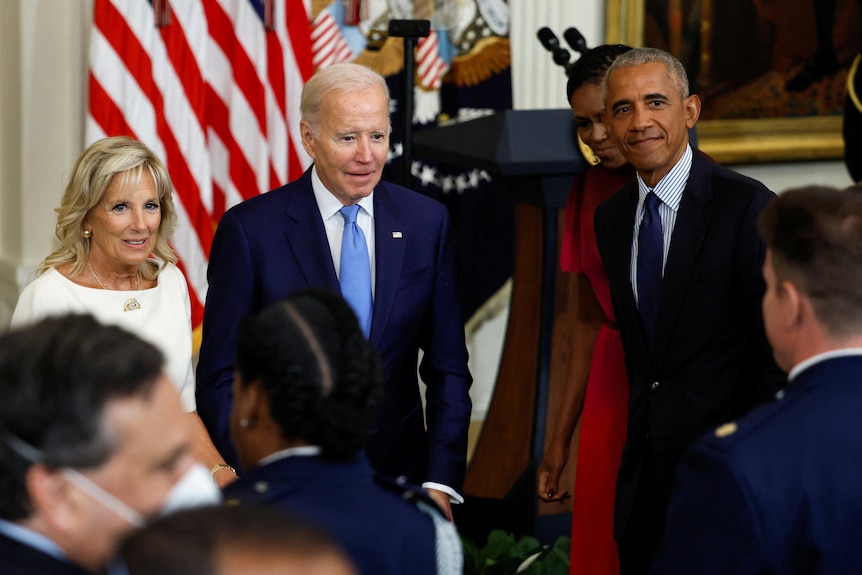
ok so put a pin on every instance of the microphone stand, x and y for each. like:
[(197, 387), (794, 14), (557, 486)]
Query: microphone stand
[(410, 30)]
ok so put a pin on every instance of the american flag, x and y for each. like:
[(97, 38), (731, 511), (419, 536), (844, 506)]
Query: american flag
[(328, 44), (430, 67), (213, 88)]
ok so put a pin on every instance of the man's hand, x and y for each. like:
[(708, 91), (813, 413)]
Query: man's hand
[(442, 500)]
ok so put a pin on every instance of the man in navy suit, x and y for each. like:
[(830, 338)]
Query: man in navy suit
[(291, 238), (778, 491), (697, 355), (93, 442)]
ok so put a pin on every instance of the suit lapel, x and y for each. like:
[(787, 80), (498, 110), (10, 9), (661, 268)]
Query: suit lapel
[(390, 243), (622, 255), (306, 237), (691, 224)]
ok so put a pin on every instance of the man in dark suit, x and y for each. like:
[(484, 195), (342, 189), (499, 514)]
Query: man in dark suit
[(778, 491), (93, 442), (695, 350), (291, 238)]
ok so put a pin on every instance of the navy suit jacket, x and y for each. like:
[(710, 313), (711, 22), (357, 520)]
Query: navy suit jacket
[(272, 245), (711, 361), (379, 529), (17, 558), (779, 491)]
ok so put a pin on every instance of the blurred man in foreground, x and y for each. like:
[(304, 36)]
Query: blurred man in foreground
[(93, 442), (778, 491), (232, 540)]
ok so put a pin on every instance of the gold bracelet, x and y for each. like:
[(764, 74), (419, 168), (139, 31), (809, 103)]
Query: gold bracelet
[(222, 466)]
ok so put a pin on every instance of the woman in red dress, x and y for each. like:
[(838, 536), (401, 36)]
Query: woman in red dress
[(598, 392)]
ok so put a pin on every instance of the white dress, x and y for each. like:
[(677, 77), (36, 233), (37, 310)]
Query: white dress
[(164, 318)]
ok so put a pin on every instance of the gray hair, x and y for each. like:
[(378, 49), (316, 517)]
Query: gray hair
[(641, 56), (343, 77)]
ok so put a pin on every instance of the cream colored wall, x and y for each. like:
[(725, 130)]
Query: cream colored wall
[(42, 105)]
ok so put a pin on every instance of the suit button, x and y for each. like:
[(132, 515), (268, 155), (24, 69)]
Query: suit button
[(654, 386)]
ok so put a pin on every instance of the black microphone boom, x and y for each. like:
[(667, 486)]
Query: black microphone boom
[(551, 43), (548, 39), (576, 40)]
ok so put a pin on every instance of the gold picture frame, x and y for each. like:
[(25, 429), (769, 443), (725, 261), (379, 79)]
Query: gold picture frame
[(740, 141)]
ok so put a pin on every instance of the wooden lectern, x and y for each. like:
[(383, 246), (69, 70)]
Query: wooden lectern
[(534, 156)]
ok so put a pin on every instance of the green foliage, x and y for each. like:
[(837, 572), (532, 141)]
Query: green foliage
[(503, 555)]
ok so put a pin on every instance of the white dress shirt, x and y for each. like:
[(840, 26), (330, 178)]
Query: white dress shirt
[(669, 190), (333, 222)]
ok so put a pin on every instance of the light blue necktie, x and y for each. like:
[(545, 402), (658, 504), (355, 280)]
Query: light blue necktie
[(355, 275), (650, 256)]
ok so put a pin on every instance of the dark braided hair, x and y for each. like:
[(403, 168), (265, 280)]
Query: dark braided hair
[(592, 66), (322, 377)]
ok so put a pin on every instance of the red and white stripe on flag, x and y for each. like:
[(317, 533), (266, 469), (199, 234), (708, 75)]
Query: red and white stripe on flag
[(214, 92), (430, 67), (328, 45)]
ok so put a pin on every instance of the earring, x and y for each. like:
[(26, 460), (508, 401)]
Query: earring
[(87, 234), (243, 423)]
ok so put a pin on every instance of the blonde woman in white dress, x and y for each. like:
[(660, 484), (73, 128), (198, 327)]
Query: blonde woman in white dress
[(114, 261)]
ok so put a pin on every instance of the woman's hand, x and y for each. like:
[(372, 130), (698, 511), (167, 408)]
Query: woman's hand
[(548, 474)]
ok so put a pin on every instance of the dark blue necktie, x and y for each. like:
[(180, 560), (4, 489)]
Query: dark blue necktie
[(355, 273), (650, 255)]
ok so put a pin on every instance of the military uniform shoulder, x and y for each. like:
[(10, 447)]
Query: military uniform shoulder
[(726, 430), (405, 490), (256, 492), (735, 430)]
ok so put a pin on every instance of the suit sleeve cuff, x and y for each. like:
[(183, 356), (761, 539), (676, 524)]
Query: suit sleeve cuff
[(454, 496)]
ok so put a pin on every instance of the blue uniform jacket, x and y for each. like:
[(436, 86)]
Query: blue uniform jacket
[(384, 533), (779, 491)]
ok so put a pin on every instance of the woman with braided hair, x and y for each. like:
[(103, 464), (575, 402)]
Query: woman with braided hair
[(306, 388)]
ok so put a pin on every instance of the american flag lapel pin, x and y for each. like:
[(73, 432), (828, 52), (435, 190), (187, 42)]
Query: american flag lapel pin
[(397, 235)]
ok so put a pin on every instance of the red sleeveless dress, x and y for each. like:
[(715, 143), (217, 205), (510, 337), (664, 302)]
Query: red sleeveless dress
[(603, 419)]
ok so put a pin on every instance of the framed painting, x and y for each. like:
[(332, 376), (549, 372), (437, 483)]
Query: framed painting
[(771, 73)]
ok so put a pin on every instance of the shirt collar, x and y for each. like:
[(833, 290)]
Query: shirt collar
[(32, 539), (328, 204), (814, 359), (291, 452), (670, 188)]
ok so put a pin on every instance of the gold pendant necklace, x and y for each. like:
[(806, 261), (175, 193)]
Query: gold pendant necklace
[(132, 303)]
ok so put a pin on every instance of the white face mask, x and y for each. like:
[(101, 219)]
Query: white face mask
[(195, 488)]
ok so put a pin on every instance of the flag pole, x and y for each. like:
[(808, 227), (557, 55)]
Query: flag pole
[(410, 30)]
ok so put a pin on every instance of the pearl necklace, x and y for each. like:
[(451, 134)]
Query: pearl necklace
[(131, 304)]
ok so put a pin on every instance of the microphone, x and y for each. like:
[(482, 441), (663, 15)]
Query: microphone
[(551, 43), (548, 39), (576, 40)]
